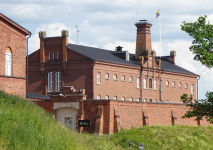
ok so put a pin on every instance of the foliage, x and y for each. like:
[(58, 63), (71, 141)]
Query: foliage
[(202, 45), (24, 125), (199, 108)]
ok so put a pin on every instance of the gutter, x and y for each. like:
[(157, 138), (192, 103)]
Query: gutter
[(197, 86), (93, 78), (141, 74), (27, 68)]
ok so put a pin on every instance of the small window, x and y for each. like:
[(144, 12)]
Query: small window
[(150, 83), (58, 55), (130, 99), (50, 81), (122, 98), (144, 100), (115, 97), (138, 99), (173, 83), (8, 62), (155, 100), (123, 78), (53, 55), (98, 77), (98, 96), (192, 89), (180, 85), (160, 101), (186, 85), (50, 55), (106, 76), (144, 83), (155, 84), (106, 97), (150, 100), (138, 82), (115, 77), (167, 101), (58, 81), (167, 83), (130, 79)]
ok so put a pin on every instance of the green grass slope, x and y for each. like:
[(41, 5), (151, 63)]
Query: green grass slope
[(25, 126), (166, 137)]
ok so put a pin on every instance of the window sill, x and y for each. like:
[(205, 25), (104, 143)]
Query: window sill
[(186, 88), (115, 79), (167, 85), (145, 88), (131, 81), (150, 88), (123, 80), (155, 89), (173, 86), (192, 93), (180, 87), (98, 83), (138, 87), (106, 78)]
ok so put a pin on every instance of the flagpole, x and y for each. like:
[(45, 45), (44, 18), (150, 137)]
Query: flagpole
[(160, 31)]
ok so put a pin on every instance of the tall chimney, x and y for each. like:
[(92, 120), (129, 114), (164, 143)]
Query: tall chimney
[(172, 55), (64, 34), (143, 39), (42, 36)]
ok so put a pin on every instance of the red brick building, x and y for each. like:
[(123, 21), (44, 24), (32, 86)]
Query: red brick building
[(105, 74), (13, 57), (115, 89)]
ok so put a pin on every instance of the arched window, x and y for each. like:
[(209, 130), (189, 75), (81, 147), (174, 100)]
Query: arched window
[(8, 62), (50, 81), (130, 79), (138, 99), (167, 83), (173, 83), (115, 76), (98, 96), (150, 83), (58, 81), (107, 97), (123, 98), (155, 84), (144, 100), (186, 86), (144, 83), (150, 100), (98, 77), (130, 99), (106, 76), (155, 100), (192, 89), (138, 82), (122, 78), (115, 97)]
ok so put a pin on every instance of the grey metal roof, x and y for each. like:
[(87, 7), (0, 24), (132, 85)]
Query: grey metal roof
[(38, 96), (107, 56)]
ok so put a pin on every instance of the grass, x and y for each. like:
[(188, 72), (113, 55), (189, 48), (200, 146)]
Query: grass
[(25, 126)]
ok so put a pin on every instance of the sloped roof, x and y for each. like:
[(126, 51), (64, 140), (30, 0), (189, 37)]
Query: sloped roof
[(107, 56), (38, 96)]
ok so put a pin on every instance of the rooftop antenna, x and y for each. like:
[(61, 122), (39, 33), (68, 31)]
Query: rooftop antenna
[(77, 33)]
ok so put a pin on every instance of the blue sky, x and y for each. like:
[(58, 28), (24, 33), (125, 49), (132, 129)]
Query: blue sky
[(107, 24)]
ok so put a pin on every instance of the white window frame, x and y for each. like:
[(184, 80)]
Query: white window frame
[(186, 86), (180, 85), (138, 99), (138, 82), (192, 89), (50, 81), (50, 55), (155, 84), (58, 55), (115, 97), (98, 77), (8, 64), (123, 98), (115, 77), (145, 100), (98, 96), (106, 76), (155, 100), (144, 83), (130, 79), (58, 81), (123, 78), (107, 97), (173, 83), (131, 99), (167, 83)]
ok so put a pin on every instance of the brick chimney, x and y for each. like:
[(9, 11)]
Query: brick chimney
[(64, 34), (172, 55), (143, 39), (42, 36)]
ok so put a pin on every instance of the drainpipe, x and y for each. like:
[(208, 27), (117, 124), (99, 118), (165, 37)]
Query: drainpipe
[(141, 74), (93, 78), (197, 86), (27, 67)]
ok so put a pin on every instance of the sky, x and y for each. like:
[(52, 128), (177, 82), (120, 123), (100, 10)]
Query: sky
[(108, 24)]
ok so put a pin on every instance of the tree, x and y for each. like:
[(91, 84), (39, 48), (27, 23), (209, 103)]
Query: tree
[(202, 46)]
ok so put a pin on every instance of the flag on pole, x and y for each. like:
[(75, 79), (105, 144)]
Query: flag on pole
[(158, 13)]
